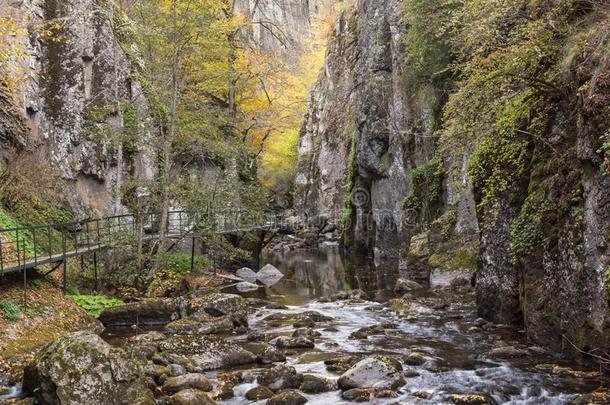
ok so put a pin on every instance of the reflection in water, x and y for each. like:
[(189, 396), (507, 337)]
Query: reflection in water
[(316, 274)]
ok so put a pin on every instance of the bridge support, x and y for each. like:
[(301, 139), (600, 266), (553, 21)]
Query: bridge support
[(193, 253), (95, 269)]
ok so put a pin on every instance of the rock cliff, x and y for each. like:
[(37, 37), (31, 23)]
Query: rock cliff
[(369, 164), (86, 112)]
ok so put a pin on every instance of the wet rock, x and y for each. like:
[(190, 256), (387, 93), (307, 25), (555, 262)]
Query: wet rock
[(310, 318), (275, 305), (358, 394), (81, 368), (364, 333), (316, 385), (598, 397), (203, 353), (342, 364), (191, 397), (414, 359), (422, 394), (217, 304), (285, 342), (225, 386), (404, 286), (151, 312), (308, 333), (256, 337), (258, 393), (287, 397), (176, 370), (280, 377), (479, 322), (246, 274), (256, 302), (201, 325), (472, 399), (269, 275), (270, 355), (183, 382), (507, 352), (373, 372), (246, 287), (157, 372)]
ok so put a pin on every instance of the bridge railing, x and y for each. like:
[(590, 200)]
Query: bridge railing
[(35, 245)]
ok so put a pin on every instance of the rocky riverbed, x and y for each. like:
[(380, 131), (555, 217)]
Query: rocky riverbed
[(311, 338)]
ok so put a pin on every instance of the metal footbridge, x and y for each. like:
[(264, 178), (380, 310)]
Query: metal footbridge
[(28, 247)]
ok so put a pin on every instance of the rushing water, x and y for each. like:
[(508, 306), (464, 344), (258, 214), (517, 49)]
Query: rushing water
[(457, 352)]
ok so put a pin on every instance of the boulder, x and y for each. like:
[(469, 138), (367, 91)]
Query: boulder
[(280, 377), (358, 394), (316, 385), (246, 287), (270, 355), (186, 381), (217, 304), (507, 352), (81, 368), (258, 393), (191, 397), (269, 275), (373, 372), (472, 399), (414, 359), (201, 325), (308, 333), (197, 353), (151, 312), (404, 286), (246, 274), (285, 342), (287, 397)]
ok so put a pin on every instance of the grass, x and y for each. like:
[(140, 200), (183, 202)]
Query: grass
[(95, 304), (10, 310)]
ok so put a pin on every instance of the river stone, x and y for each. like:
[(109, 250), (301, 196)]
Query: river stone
[(191, 397), (287, 397), (200, 326), (258, 393), (203, 353), (404, 285), (414, 359), (373, 372), (358, 394), (246, 287), (472, 399), (157, 372), (270, 355), (150, 312), (285, 342), (342, 364), (217, 304), (246, 274), (280, 377), (308, 333), (269, 275), (81, 368), (507, 352), (183, 382), (316, 385)]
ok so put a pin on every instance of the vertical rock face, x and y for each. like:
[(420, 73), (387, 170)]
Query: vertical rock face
[(544, 243), (79, 98), (280, 26), (361, 136)]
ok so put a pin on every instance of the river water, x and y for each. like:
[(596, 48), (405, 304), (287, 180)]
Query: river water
[(456, 352)]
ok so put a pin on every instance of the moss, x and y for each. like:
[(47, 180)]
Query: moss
[(526, 231), (427, 195)]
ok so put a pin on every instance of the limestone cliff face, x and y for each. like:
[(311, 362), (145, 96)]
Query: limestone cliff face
[(280, 26), (364, 138), (79, 97)]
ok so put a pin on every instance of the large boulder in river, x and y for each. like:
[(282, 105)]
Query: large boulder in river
[(151, 312), (198, 353), (373, 372), (203, 324), (81, 368), (404, 285), (217, 304), (269, 275)]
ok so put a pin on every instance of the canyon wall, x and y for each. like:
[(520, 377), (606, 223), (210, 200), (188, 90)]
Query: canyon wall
[(368, 157)]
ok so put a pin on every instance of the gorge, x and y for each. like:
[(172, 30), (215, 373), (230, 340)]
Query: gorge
[(438, 171)]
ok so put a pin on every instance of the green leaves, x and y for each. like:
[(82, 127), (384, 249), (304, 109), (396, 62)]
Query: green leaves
[(95, 304)]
